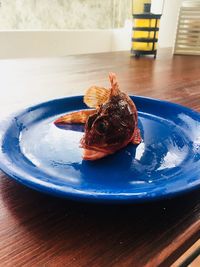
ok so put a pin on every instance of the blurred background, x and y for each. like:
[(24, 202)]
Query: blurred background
[(43, 28)]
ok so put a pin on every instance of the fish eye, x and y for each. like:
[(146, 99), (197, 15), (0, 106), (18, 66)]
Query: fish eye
[(91, 119), (101, 127)]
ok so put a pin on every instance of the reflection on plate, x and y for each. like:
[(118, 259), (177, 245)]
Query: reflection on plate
[(48, 158)]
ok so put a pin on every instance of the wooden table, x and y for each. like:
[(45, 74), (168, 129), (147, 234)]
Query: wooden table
[(39, 230)]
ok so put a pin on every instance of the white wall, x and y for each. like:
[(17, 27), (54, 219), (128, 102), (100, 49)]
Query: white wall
[(53, 43), (168, 23)]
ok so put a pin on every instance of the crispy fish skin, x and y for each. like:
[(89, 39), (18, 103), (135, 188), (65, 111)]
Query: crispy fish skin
[(113, 126), (110, 126)]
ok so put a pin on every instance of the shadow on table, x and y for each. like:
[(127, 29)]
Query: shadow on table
[(126, 228)]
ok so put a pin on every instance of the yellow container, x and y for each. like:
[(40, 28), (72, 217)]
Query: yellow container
[(144, 46), (138, 6), (145, 34), (146, 23)]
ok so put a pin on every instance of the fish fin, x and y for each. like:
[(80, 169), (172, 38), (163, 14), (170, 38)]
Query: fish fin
[(96, 96), (114, 84), (136, 140), (93, 155), (75, 117)]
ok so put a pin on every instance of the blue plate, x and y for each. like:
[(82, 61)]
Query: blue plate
[(44, 157)]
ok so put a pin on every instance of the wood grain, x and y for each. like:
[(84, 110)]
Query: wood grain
[(39, 230), (191, 255)]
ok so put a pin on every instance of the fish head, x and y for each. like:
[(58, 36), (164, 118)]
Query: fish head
[(112, 125)]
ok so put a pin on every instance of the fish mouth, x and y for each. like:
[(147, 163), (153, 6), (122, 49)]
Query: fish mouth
[(89, 154), (94, 152)]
